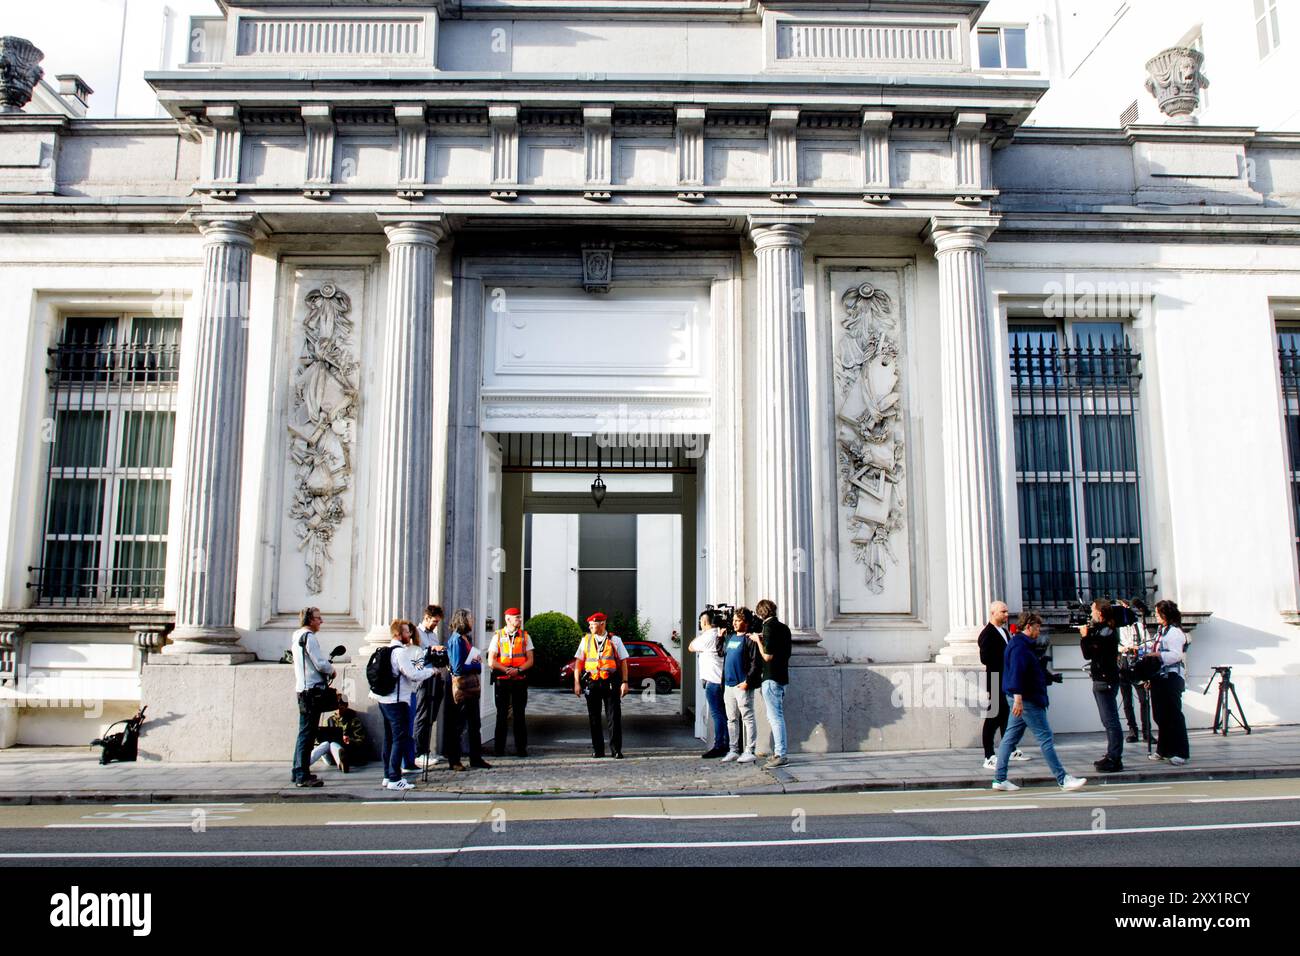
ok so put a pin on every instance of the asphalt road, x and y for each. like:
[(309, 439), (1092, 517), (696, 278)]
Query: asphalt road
[(1232, 823)]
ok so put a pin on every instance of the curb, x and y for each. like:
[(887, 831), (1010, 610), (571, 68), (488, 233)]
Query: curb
[(784, 783)]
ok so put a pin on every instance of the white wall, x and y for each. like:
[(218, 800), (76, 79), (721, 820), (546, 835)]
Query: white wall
[(555, 555), (89, 38), (1215, 496), (1103, 49), (659, 576)]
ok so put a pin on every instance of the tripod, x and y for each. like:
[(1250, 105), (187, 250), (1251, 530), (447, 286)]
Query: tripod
[(1223, 706)]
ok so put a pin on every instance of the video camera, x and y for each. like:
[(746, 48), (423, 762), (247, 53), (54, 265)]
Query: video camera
[(435, 658), (725, 611)]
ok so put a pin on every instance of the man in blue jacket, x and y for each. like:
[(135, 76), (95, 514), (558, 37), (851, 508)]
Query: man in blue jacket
[(1025, 683)]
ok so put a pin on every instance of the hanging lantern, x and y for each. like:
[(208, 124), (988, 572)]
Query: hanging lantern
[(598, 491)]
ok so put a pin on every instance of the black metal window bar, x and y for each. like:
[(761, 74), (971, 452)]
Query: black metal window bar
[(549, 451), (110, 431), (1288, 355), (1078, 464)]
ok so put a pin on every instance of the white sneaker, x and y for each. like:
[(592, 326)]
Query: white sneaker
[(1155, 757), (1005, 785), (746, 758), (731, 755), (401, 785), (1019, 756), (1073, 783), (383, 784), (991, 763), (1178, 761)]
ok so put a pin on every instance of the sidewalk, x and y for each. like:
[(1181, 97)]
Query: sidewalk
[(30, 775)]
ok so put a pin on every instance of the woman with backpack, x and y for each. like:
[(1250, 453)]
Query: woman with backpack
[(466, 666), (394, 672), (1167, 687)]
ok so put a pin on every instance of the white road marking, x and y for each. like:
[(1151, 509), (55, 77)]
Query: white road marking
[(703, 796), (696, 845), (877, 793), (1008, 806), (684, 816), (391, 803), (391, 823), (170, 804), (114, 826), (1288, 796)]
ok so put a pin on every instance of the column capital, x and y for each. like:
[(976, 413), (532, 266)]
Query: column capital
[(773, 232), (414, 229), (239, 229), (954, 234)]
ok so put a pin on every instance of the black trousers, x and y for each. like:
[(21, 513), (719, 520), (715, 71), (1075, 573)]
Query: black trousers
[(606, 691), (428, 710), (997, 723), (308, 721), (511, 696), (466, 720), (1126, 688), (1167, 707)]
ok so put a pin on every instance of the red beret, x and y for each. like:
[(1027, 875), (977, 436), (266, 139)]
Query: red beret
[(513, 610), (599, 617)]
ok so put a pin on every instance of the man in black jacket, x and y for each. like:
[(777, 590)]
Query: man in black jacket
[(1099, 642), (774, 648), (993, 642)]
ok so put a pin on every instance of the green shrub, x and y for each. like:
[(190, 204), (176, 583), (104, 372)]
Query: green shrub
[(630, 628), (555, 641)]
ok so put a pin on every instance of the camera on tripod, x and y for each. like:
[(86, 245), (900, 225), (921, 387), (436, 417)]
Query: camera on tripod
[(725, 611)]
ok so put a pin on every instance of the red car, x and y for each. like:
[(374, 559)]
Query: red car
[(646, 660)]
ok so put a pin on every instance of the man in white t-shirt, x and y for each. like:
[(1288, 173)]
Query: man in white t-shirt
[(600, 671), (510, 657)]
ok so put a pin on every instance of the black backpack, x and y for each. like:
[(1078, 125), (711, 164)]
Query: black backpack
[(379, 672)]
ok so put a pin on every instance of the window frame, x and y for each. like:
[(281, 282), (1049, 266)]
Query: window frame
[(119, 391), (1001, 30), (1268, 18), (1110, 397)]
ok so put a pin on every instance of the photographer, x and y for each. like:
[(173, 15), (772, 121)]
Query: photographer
[(429, 696), (709, 649), (1100, 646), (1167, 687), (1132, 645), (312, 673), (1024, 680)]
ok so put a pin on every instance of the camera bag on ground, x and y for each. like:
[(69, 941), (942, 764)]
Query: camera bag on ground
[(379, 672), (123, 745)]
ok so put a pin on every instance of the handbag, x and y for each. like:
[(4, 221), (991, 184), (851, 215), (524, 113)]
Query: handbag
[(321, 698), (465, 686)]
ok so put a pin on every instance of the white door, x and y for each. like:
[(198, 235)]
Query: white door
[(492, 566)]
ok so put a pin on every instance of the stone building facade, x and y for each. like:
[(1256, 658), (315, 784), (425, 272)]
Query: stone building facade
[(312, 338)]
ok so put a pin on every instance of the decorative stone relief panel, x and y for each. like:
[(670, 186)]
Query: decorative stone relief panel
[(316, 538), (871, 452)]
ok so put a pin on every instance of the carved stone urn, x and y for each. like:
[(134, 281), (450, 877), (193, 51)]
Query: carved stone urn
[(20, 71), (1175, 80)]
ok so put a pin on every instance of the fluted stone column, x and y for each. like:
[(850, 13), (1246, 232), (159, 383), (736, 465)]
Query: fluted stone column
[(972, 489), (783, 546), (209, 538), (403, 518)]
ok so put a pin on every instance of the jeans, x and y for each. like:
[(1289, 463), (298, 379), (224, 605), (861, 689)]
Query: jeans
[(1167, 706), (511, 696), (397, 719), (1108, 709), (992, 725), (718, 711), (1033, 718), (307, 721), (740, 714), (774, 699)]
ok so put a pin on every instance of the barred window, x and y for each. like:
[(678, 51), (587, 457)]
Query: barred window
[(1075, 402), (111, 429), (1288, 353)]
